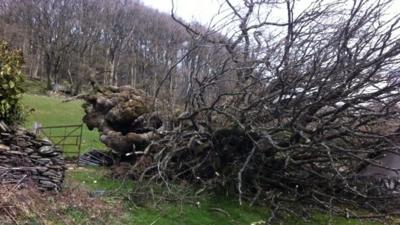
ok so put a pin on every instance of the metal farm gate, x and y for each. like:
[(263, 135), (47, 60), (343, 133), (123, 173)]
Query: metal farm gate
[(68, 137)]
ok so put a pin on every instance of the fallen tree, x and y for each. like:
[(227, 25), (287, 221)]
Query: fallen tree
[(296, 109), (243, 162), (123, 117)]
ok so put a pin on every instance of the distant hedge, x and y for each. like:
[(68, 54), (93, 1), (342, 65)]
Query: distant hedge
[(11, 79)]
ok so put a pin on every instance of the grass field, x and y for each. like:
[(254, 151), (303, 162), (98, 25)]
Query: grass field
[(50, 111)]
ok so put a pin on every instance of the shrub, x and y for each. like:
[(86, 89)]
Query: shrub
[(11, 79)]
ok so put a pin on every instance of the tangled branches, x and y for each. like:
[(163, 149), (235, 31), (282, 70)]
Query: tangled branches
[(315, 92), (293, 109)]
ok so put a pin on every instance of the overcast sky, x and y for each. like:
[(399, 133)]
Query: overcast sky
[(198, 10), (203, 10)]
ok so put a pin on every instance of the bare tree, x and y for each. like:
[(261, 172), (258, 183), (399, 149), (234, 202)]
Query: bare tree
[(51, 22), (63, 41)]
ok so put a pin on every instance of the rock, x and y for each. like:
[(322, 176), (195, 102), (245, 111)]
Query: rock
[(42, 169), (4, 147), (15, 153), (46, 150), (29, 150), (24, 158), (46, 141), (43, 161), (47, 184), (5, 134), (4, 127)]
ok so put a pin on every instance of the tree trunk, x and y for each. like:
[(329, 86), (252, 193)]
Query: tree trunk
[(133, 74), (48, 68), (36, 66), (114, 78)]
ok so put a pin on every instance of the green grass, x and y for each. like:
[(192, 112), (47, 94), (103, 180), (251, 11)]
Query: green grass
[(52, 111), (34, 87), (205, 210), (208, 210), (97, 179)]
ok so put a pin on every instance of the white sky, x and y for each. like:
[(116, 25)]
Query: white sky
[(190, 10), (204, 10), (212, 13)]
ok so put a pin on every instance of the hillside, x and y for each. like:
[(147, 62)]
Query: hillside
[(52, 111)]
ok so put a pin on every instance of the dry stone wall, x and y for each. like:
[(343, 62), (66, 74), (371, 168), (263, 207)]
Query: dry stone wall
[(26, 159)]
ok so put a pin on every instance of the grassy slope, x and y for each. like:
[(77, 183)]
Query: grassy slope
[(34, 87), (51, 111)]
